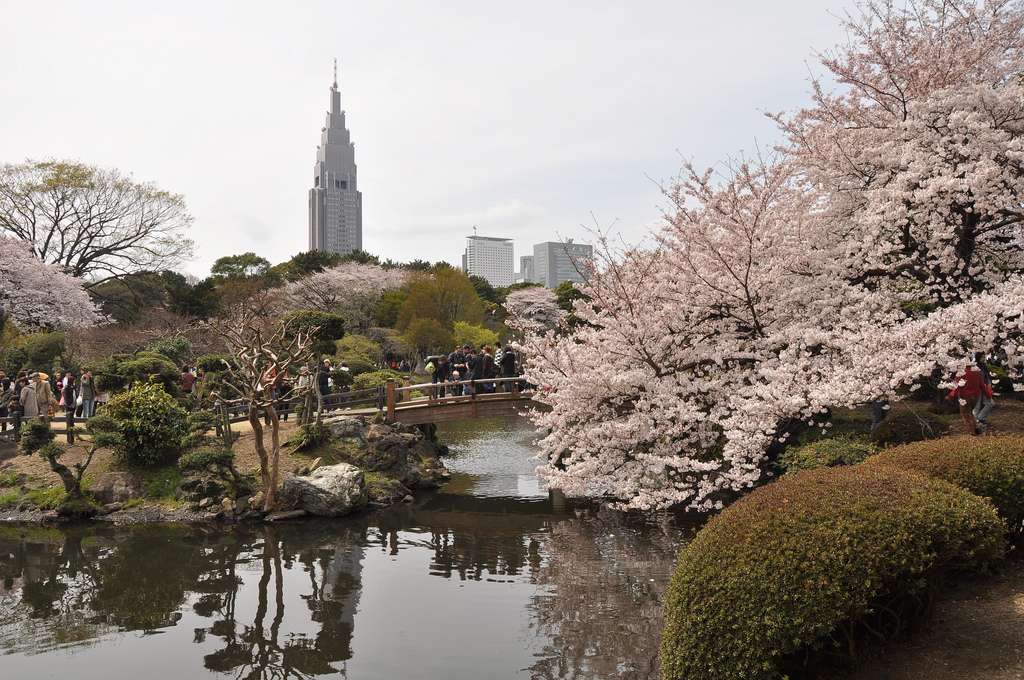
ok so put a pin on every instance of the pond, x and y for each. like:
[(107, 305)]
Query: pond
[(486, 578)]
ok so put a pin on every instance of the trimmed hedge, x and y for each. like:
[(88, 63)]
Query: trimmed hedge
[(799, 564), (903, 426), (992, 467), (152, 425), (843, 449)]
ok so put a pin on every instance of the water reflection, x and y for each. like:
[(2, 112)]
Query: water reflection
[(456, 586)]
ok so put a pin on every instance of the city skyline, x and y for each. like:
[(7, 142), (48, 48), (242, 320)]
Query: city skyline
[(485, 119)]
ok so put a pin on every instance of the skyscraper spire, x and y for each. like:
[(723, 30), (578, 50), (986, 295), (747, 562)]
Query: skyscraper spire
[(335, 73)]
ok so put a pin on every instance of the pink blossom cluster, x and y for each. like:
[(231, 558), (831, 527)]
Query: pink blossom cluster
[(38, 295), (880, 247), (351, 289)]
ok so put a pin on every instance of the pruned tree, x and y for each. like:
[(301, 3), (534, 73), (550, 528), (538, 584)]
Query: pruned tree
[(94, 223), (262, 353)]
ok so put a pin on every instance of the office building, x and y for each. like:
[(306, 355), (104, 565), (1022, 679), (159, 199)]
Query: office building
[(490, 258), (554, 262), (526, 268), (335, 204)]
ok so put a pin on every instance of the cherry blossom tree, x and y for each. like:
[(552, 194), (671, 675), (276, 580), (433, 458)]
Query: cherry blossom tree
[(535, 308), (881, 247), (37, 295), (351, 289)]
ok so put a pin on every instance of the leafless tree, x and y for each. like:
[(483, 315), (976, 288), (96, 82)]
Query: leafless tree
[(263, 352), (97, 224)]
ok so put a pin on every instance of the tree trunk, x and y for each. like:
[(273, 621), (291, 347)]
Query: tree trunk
[(269, 495), (261, 451)]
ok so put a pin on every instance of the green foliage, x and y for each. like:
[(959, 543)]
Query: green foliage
[(46, 498), (429, 336), (199, 423), (104, 431), (118, 371), (162, 483), (366, 381), (244, 266), (485, 290), (843, 449), (359, 353), (304, 264), (992, 467), (447, 295), (35, 434), (33, 352), (904, 425), (151, 422), (200, 301), (127, 299), (332, 327), (388, 307), (309, 436), (214, 363), (806, 563), (9, 479), (472, 335), (176, 349), (206, 458)]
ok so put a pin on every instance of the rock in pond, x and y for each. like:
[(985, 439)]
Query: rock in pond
[(329, 491)]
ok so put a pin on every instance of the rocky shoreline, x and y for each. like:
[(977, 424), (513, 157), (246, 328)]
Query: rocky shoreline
[(360, 465)]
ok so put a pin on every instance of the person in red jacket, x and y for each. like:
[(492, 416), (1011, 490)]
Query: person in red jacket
[(970, 386)]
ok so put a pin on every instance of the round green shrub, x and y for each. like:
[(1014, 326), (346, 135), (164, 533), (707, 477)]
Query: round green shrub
[(175, 349), (843, 449), (992, 467), (214, 363), (151, 423), (801, 562), (903, 426), (365, 381)]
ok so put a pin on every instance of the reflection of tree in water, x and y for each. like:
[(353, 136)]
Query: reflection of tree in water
[(259, 650), (72, 586), (600, 601)]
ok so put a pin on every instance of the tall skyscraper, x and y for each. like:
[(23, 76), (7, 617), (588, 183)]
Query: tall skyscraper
[(335, 203), (490, 258), (526, 268), (555, 262)]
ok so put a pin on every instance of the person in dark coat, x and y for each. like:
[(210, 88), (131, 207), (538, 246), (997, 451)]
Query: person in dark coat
[(508, 367)]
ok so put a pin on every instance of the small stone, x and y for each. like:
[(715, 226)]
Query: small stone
[(111, 507), (408, 499), (288, 514), (257, 500), (228, 505), (378, 431), (315, 464), (205, 503)]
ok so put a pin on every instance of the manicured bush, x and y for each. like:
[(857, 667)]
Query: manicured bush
[(366, 381), (151, 423), (35, 434), (118, 371), (904, 425), (175, 349), (214, 363), (804, 563), (331, 327), (992, 467), (843, 449)]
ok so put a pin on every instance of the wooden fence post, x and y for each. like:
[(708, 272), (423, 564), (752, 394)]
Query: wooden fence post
[(389, 393)]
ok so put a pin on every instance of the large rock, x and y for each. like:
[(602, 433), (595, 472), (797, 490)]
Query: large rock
[(345, 427), (330, 491), (116, 487)]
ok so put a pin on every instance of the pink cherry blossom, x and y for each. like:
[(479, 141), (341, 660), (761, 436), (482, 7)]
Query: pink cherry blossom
[(37, 295)]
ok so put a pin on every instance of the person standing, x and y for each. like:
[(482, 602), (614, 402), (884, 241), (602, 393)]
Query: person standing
[(508, 367), (6, 392), (986, 401), (88, 395), (69, 397), (969, 388), (188, 381)]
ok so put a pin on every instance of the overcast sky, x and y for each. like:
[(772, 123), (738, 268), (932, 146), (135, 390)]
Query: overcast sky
[(528, 119)]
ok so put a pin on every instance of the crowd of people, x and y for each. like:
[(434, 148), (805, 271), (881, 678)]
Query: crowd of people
[(39, 395), (450, 372)]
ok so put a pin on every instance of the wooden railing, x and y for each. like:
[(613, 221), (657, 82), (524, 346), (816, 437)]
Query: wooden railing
[(451, 392)]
